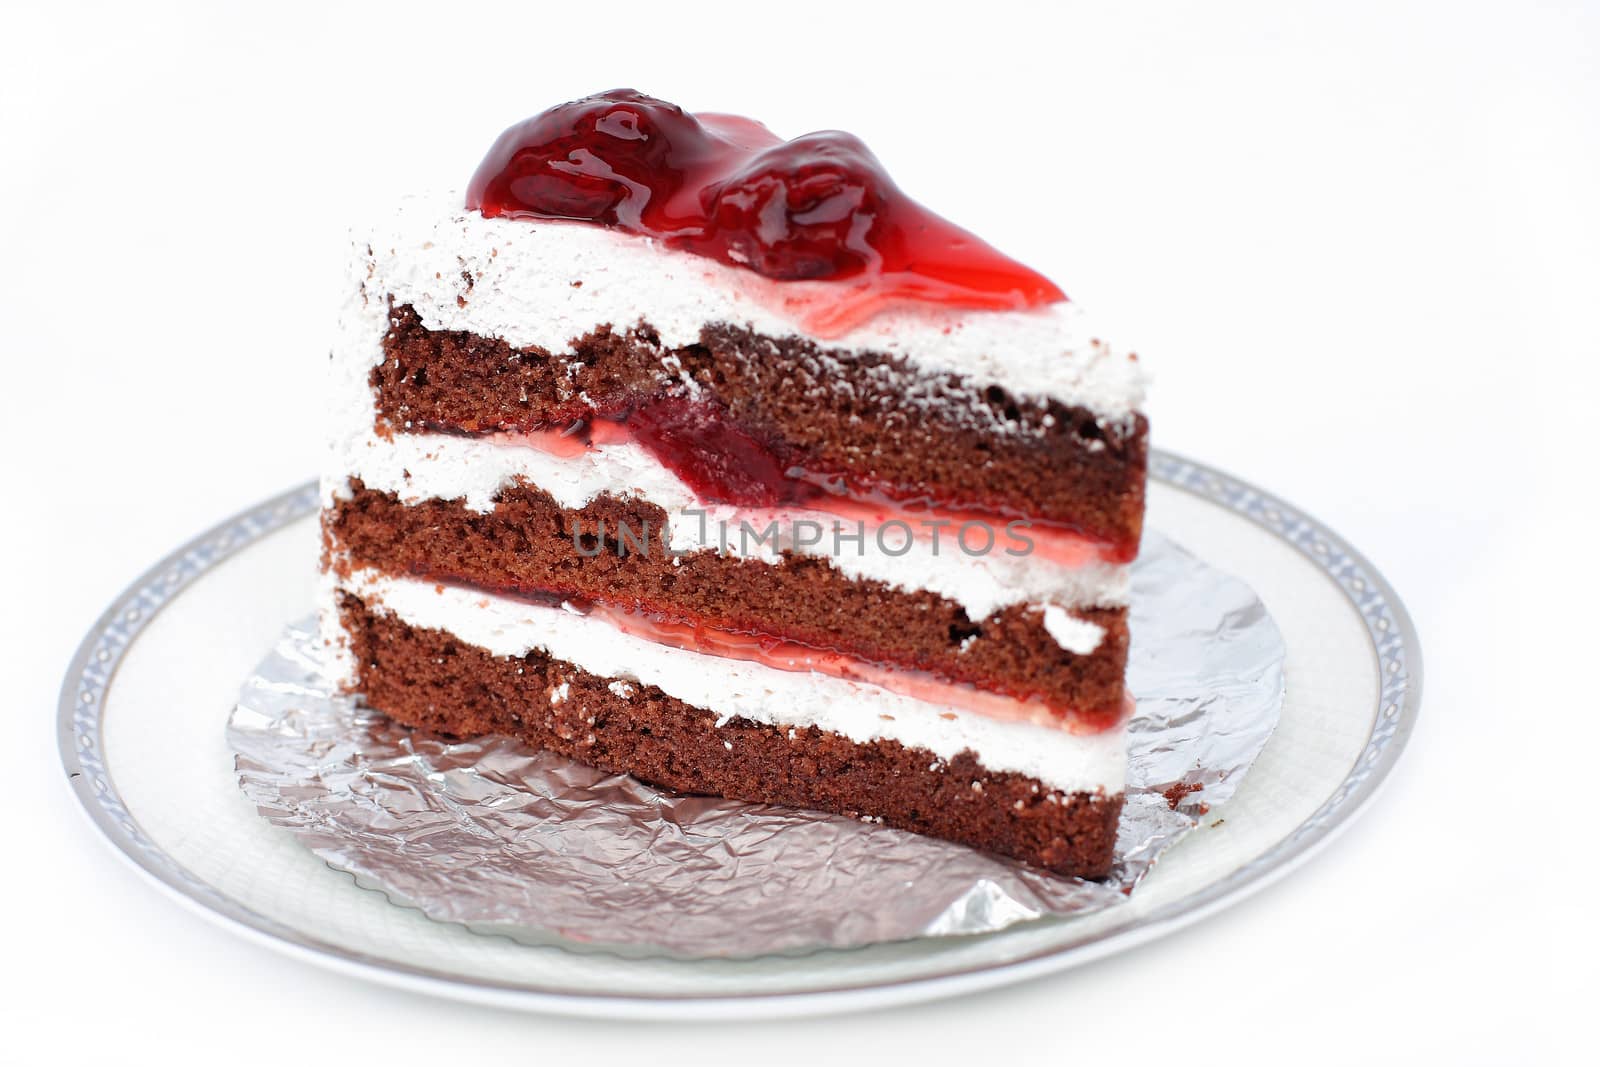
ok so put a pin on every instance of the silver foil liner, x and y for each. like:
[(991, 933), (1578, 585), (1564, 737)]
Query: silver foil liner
[(510, 840)]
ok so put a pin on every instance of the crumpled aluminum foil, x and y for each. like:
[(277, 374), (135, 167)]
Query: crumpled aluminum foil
[(510, 840)]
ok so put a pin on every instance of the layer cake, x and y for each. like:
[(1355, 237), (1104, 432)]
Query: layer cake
[(712, 458)]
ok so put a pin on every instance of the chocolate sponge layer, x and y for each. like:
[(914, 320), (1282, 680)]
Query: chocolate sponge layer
[(862, 416), (430, 680), (528, 544)]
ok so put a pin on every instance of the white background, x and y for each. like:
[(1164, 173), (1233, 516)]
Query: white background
[(1357, 244)]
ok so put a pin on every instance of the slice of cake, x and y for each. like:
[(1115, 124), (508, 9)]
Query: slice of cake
[(712, 458)]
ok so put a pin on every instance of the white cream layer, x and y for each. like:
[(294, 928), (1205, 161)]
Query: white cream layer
[(419, 467), (734, 688), (547, 283)]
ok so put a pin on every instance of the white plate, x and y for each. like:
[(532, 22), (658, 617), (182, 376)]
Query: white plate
[(146, 698)]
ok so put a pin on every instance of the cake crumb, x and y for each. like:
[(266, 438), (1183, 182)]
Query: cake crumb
[(1178, 790), (560, 693)]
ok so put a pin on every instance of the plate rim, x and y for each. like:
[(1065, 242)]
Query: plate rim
[(93, 667)]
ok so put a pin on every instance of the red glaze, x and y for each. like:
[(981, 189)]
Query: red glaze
[(714, 457), (817, 208)]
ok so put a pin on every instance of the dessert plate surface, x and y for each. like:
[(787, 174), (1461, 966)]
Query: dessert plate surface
[(145, 700)]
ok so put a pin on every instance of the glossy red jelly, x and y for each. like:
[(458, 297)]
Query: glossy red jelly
[(713, 456), (817, 208)]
